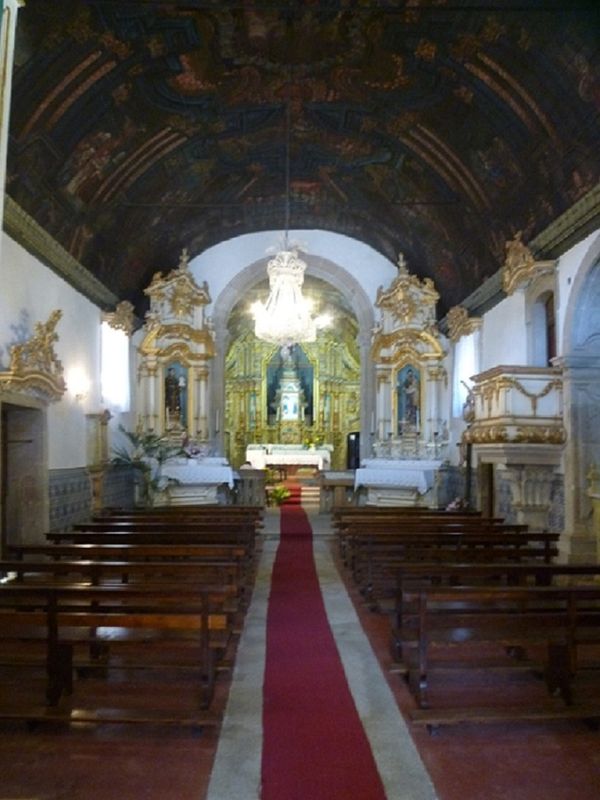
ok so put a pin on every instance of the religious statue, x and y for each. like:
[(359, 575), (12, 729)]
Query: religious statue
[(411, 398), (408, 392), (173, 396)]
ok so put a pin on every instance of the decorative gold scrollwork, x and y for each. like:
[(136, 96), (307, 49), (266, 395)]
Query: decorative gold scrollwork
[(34, 367)]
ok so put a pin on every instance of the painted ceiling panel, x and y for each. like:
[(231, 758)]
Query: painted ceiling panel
[(435, 129)]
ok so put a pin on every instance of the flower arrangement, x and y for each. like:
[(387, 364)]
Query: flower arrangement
[(278, 494), (458, 504)]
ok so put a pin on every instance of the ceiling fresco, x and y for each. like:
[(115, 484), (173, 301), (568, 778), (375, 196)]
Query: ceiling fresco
[(434, 128)]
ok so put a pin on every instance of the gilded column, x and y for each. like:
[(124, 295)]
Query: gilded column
[(202, 411), (7, 49)]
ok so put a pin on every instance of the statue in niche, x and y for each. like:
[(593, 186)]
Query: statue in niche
[(175, 395), (408, 399)]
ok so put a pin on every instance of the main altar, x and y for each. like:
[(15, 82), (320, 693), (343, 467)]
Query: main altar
[(284, 455)]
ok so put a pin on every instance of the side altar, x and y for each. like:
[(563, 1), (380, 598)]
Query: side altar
[(197, 481), (395, 482), (410, 437)]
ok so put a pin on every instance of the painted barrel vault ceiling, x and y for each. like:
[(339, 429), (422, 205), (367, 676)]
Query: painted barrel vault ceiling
[(434, 128)]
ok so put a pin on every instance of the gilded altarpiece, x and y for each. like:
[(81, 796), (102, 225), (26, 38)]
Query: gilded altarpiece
[(174, 357), (408, 352), (257, 411)]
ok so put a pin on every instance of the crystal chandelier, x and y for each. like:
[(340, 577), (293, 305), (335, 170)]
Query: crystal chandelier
[(287, 316)]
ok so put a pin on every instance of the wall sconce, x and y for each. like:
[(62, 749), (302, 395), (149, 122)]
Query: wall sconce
[(78, 383)]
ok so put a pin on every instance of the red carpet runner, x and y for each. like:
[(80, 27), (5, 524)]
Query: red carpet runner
[(314, 744)]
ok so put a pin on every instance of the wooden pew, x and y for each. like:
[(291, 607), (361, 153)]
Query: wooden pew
[(411, 575), (59, 619), (391, 526), (232, 536), (167, 525), (231, 561), (193, 510), (252, 514), (560, 620), (375, 558)]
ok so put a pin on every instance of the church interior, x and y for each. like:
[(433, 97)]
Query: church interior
[(306, 294)]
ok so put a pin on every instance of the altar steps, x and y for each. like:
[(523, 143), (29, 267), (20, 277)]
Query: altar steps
[(310, 496)]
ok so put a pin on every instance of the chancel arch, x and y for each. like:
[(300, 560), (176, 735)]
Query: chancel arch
[(333, 410), (305, 394), (581, 375)]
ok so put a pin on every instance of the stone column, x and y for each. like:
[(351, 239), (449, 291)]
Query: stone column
[(216, 411), (7, 48), (368, 416), (581, 396), (201, 417), (531, 489), (435, 374), (593, 493), (384, 403)]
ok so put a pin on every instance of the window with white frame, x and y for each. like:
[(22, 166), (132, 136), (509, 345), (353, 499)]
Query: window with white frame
[(115, 368), (466, 364)]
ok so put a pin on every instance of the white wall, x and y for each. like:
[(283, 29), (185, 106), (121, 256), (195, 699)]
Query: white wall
[(570, 279), (503, 334), (30, 292), (220, 264)]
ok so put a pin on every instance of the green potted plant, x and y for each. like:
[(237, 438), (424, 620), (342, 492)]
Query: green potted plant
[(146, 454), (278, 494)]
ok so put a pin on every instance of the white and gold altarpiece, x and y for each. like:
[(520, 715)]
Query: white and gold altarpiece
[(175, 352), (294, 405), (174, 384), (410, 437)]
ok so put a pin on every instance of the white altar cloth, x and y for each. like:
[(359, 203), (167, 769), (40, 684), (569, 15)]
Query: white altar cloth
[(262, 458), (416, 474), (190, 471)]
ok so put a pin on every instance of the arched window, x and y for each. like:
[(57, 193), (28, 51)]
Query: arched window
[(115, 368), (550, 327), (543, 330), (466, 364)]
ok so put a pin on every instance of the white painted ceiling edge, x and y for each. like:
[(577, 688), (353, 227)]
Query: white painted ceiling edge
[(221, 264)]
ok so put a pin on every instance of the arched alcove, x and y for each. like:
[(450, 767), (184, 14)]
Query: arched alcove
[(259, 377), (581, 374), (324, 276)]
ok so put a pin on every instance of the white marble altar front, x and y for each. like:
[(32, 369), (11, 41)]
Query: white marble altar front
[(397, 482), (263, 456), (197, 481)]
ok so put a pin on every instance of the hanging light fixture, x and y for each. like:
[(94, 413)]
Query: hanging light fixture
[(287, 316)]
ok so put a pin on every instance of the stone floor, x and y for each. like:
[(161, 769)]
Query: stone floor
[(550, 761)]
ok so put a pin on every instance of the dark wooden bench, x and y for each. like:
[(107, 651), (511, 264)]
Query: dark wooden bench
[(253, 514), (383, 526), (375, 558), (226, 562), (59, 619), (246, 538), (418, 574), (519, 619), (168, 525)]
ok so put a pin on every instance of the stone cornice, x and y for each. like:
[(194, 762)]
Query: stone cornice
[(570, 227), (30, 235), (461, 324), (577, 222)]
